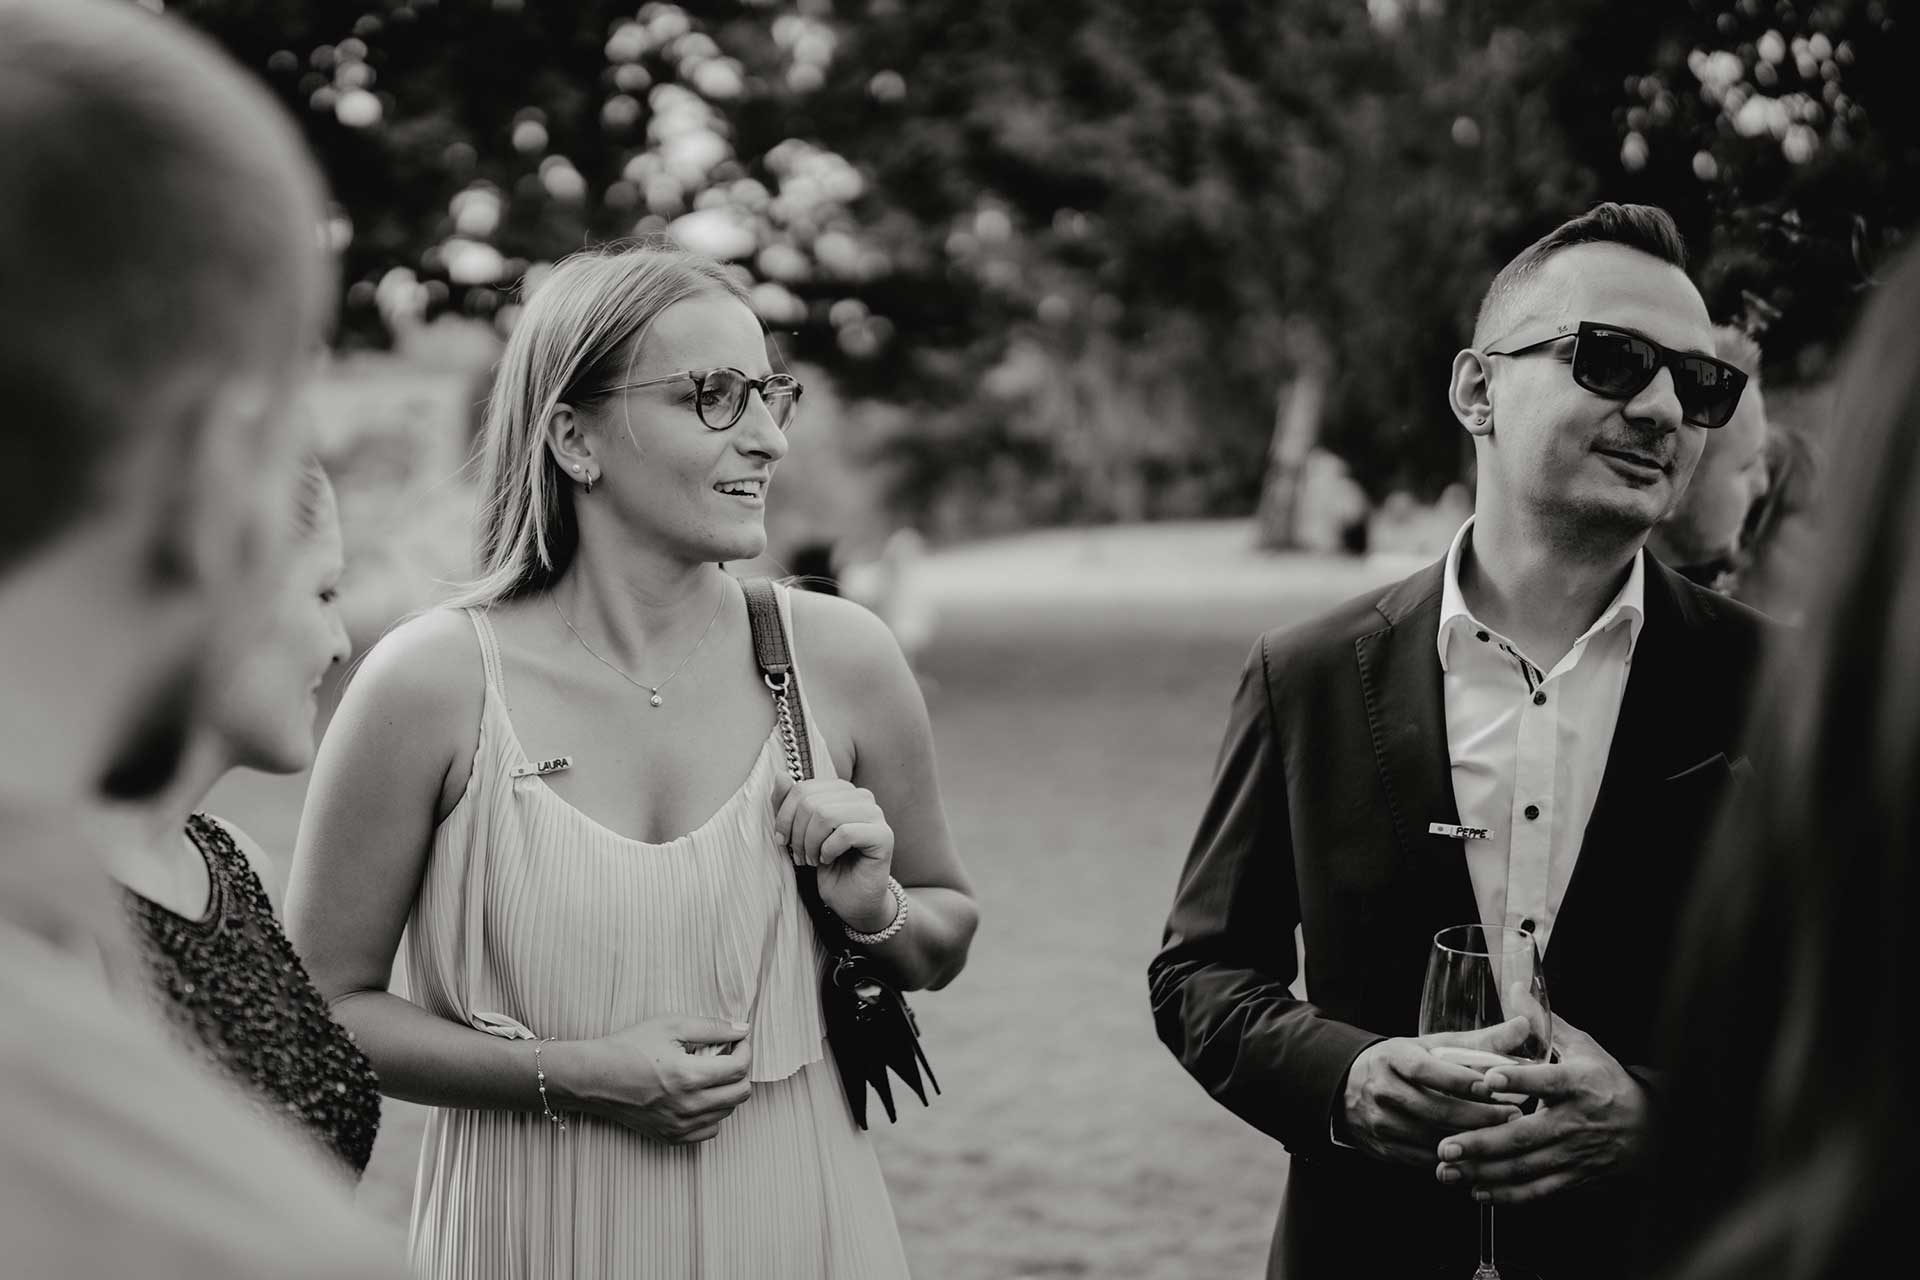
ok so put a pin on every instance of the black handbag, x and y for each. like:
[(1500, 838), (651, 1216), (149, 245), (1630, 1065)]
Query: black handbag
[(869, 1026)]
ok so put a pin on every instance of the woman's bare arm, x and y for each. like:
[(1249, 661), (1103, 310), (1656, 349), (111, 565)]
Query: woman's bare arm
[(872, 710), (407, 725)]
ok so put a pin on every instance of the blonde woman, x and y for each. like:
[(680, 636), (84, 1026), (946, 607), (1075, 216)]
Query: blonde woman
[(215, 957), (568, 792)]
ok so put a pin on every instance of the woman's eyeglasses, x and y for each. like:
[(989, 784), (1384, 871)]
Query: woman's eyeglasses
[(1619, 363), (720, 395)]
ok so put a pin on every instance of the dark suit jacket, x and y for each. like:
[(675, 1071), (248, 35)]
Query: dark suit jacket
[(1334, 763)]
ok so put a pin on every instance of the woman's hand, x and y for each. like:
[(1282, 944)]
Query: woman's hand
[(652, 1079), (831, 824)]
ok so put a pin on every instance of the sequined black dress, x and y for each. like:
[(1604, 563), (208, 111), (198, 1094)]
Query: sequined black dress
[(232, 983)]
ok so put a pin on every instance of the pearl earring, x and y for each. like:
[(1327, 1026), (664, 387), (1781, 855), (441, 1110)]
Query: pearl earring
[(576, 468)]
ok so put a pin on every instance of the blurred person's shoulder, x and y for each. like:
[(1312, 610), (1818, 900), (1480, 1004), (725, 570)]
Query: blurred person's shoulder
[(118, 1155)]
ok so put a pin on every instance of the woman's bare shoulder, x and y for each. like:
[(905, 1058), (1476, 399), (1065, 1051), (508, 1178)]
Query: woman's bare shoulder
[(423, 683), (412, 709), (846, 648), (834, 629), (430, 658)]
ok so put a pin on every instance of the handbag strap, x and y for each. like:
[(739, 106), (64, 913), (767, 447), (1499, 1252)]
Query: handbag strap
[(775, 658)]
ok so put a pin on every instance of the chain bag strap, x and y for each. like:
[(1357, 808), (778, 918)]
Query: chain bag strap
[(870, 1029)]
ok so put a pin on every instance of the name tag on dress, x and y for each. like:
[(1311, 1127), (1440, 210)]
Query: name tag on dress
[(541, 767), (1452, 832)]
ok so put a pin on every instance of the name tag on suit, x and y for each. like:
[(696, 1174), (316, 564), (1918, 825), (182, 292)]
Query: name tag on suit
[(1453, 832)]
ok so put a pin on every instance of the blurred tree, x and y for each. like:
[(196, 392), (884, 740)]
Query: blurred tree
[(1094, 245), (1223, 198), (472, 142), (1799, 123)]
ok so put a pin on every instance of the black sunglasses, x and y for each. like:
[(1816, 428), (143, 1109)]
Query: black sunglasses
[(1619, 363), (720, 395)]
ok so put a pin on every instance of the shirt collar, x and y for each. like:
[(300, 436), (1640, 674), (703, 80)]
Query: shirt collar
[(1629, 605)]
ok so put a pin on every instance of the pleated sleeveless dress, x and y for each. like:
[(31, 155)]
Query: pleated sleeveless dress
[(534, 920)]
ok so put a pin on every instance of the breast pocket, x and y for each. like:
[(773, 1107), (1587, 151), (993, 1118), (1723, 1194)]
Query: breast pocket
[(1694, 798)]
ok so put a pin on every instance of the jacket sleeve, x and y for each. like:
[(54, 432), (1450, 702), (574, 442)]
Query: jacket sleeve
[(1219, 985)]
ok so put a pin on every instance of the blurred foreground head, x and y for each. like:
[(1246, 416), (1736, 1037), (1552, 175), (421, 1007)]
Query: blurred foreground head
[(581, 334), (165, 293), (1555, 460), (1796, 1135)]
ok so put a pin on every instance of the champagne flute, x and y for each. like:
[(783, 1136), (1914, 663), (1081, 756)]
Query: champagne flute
[(1479, 976)]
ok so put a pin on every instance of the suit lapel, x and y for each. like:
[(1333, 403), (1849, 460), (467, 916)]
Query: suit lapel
[(1406, 718), (1653, 741)]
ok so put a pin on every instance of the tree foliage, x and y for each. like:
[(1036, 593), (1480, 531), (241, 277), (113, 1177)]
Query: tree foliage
[(1089, 242), (1798, 125)]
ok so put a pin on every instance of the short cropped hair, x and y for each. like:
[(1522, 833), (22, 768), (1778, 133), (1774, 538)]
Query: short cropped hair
[(1737, 348), (159, 245), (1637, 226)]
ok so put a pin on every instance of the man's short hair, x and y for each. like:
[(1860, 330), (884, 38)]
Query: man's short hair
[(1737, 348), (1637, 226), (159, 242)]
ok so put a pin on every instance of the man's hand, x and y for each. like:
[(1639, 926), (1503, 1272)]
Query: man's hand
[(1402, 1097), (1592, 1121)]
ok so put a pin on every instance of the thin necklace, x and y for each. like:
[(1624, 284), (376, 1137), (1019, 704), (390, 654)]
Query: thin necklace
[(653, 690)]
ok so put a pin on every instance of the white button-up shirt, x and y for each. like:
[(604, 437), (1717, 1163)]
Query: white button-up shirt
[(1528, 747)]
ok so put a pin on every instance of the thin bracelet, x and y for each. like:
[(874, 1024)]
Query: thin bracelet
[(898, 922), (541, 1077)]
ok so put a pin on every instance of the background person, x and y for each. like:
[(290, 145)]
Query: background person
[(570, 796), (1778, 542), (219, 962), (1702, 537)]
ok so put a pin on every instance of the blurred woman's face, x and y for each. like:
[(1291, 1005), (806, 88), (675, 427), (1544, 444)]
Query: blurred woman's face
[(696, 494), (265, 709)]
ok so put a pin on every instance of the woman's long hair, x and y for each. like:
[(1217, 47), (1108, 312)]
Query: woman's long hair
[(577, 336), (1790, 1129)]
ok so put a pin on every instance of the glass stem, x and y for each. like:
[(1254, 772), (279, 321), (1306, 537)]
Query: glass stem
[(1486, 1238)]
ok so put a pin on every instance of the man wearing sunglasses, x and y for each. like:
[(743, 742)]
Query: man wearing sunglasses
[(1533, 733)]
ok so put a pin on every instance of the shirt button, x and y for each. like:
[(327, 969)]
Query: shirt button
[(1527, 924), (1483, 636), (1532, 812), (1539, 699)]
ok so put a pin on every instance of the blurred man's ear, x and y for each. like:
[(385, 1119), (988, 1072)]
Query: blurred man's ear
[(1470, 392)]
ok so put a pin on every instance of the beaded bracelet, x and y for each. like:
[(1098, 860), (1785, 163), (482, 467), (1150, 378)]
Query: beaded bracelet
[(540, 1076), (898, 923)]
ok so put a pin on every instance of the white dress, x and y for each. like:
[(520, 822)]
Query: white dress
[(532, 918)]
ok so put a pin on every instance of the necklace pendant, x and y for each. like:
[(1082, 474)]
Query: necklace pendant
[(656, 699)]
